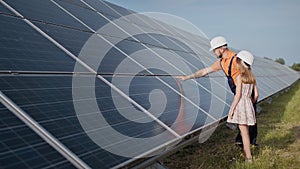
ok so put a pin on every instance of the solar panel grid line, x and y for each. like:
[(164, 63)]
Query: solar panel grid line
[(82, 30), (282, 80), (49, 166), (10, 151), (268, 91), (195, 48), (267, 94), (267, 66), (279, 86), (222, 86), (69, 27), (90, 152), (23, 162), (262, 91), (199, 46), (148, 25), (120, 15), (263, 82), (274, 74), (134, 60), (105, 13), (21, 147), (166, 30), (23, 48), (14, 127), (78, 60), (288, 70), (265, 75), (62, 73), (158, 148), (103, 74), (179, 33), (79, 29), (44, 134), (121, 10), (271, 67), (192, 37), (110, 84), (150, 71), (190, 65), (274, 81), (42, 122), (113, 22), (150, 151), (140, 107), (115, 11), (46, 35), (209, 76), (267, 85), (44, 22), (172, 33), (136, 24), (52, 165), (45, 121)]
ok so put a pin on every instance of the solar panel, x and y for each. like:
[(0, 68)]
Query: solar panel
[(96, 79), (22, 148)]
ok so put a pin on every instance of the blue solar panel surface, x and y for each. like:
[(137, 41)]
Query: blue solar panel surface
[(22, 148), (133, 108)]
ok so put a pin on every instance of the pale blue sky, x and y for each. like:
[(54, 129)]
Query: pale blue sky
[(267, 28)]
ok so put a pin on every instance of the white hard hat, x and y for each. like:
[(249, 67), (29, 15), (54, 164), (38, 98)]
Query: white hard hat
[(246, 56), (217, 42)]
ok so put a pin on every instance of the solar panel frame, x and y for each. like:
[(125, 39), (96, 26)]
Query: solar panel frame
[(165, 42), (41, 132)]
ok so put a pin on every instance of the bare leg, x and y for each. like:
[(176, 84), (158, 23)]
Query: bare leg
[(246, 140)]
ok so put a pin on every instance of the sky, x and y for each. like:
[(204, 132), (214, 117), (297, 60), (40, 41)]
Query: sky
[(266, 28)]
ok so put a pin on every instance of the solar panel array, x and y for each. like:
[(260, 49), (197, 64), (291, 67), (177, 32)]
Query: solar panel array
[(88, 84)]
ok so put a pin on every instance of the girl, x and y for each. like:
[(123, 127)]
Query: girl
[(242, 111)]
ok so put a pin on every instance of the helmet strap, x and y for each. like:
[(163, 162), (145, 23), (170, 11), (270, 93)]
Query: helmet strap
[(245, 65)]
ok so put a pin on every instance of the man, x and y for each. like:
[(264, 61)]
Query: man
[(227, 63)]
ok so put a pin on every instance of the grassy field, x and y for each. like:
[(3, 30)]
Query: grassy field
[(278, 136)]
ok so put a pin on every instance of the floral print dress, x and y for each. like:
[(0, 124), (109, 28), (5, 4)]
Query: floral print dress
[(244, 112)]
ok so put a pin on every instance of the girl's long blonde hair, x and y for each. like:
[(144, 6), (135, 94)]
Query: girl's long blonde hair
[(247, 76)]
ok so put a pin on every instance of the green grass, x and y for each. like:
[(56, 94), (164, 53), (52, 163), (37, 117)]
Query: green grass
[(278, 136)]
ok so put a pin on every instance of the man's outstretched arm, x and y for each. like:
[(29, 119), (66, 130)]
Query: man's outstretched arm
[(202, 72)]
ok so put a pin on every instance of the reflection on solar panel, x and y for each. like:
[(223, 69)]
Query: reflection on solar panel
[(88, 84)]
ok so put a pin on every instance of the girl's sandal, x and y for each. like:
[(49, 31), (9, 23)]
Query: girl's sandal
[(249, 160)]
